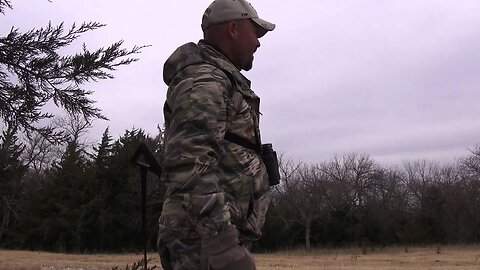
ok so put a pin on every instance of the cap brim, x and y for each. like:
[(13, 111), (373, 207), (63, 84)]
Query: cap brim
[(265, 26)]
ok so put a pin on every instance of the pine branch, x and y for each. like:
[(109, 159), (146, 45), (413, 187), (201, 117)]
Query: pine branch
[(4, 4), (41, 74)]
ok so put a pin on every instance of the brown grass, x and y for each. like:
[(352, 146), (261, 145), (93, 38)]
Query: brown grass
[(418, 258)]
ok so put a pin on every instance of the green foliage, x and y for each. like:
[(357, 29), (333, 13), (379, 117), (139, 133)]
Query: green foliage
[(32, 73), (12, 171), (88, 204), (91, 202)]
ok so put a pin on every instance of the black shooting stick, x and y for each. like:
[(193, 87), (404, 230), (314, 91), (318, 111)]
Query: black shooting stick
[(146, 161)]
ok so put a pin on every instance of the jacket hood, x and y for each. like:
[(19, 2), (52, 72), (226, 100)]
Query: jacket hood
[(185, 55)]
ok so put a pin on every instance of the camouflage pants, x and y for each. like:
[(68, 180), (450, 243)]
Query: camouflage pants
[(180, 246)]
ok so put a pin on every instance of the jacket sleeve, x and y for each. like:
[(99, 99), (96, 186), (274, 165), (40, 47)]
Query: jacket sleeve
[(194, 146)]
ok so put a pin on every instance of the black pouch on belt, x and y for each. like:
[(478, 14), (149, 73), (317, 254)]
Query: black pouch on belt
[(270, 159)]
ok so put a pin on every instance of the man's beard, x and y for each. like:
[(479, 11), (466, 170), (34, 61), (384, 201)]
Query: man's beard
[(249, 64)]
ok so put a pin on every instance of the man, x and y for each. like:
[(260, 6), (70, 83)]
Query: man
[(217, 185)]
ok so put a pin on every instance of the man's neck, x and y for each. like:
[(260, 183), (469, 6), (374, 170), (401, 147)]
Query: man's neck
[(220, 51)]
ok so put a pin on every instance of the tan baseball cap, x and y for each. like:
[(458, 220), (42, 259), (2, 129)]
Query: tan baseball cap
[(221, 11)]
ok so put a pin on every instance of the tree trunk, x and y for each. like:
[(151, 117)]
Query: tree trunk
[(5, 220), (307, 234)]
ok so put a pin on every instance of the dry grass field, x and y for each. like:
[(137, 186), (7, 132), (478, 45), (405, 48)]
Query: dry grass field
[(418, 258)]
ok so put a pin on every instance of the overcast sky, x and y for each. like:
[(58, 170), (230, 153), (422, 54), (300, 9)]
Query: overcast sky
[(396, 79)]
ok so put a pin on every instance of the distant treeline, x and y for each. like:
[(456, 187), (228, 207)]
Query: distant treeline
[(352, 200), (79, 197), (74, 197)]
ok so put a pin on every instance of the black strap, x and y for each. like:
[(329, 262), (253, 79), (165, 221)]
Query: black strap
[(242, 142), (234, 137)]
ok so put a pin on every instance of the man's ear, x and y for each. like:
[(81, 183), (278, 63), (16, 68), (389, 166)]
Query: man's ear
[(232, 29)]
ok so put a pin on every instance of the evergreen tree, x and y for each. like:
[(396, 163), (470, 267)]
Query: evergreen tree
[(33, 73), (12, 170), (65, 203), (103, 152), (102, 164), (125, 191), (62, 213)]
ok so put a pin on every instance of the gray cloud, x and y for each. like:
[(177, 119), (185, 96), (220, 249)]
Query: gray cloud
[(394, 79)]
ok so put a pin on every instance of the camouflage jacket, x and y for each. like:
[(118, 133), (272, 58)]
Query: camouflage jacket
[(211, 181)]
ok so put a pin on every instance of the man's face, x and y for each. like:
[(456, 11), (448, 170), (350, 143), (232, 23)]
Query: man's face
[(246, 44)]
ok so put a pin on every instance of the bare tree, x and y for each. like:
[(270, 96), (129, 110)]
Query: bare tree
[(427, 201), (354, 176), (356, 191), (471, 164), (419, 176), (40, 153), (302, 195), (469, 168)]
